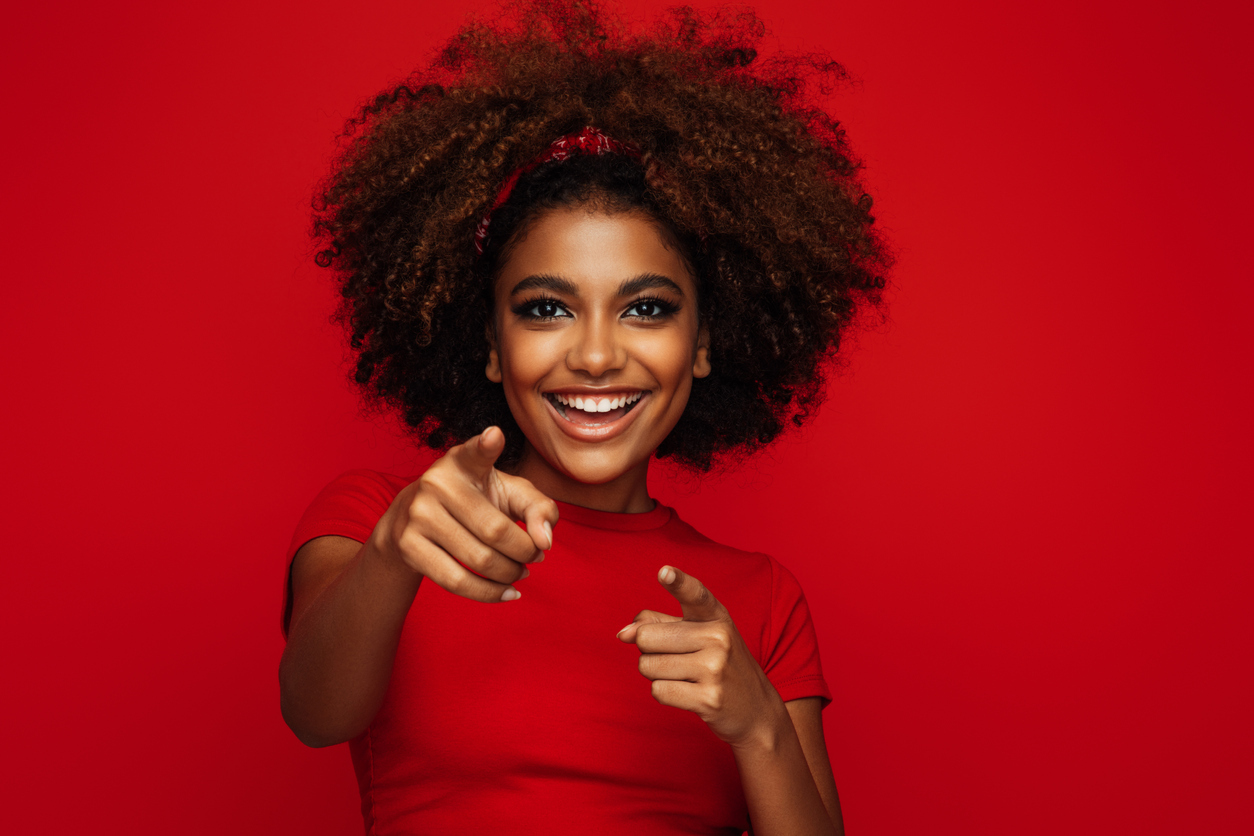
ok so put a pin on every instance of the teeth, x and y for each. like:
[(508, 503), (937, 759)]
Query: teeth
[(590, 404)]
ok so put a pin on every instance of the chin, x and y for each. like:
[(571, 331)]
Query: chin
[(594, 469)]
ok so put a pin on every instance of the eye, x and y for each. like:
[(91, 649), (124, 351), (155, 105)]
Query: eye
[(541, 309), (650, 309)]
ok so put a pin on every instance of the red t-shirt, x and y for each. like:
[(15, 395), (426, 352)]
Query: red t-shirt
[(531, 716)]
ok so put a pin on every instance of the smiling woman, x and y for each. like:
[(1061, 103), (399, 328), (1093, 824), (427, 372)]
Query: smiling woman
[(559, 262), (750, 185), (596, 344)]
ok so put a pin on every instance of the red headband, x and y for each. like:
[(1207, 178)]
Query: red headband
[(588, 141)]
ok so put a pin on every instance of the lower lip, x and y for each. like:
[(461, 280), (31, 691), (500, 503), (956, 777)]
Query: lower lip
[(595, 432)]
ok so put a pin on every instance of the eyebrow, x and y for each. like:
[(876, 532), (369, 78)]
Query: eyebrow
[(558, 284), (648, 281), (545, 281)]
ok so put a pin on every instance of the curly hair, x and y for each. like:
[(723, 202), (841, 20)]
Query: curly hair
[(758, 186)]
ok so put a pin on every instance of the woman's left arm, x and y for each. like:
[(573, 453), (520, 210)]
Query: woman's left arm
[(700, 663), (807, 720)]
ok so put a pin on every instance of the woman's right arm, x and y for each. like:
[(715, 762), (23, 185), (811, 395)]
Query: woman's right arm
[(350, 599)]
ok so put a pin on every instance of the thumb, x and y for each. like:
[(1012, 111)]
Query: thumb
[(697, 601), (628, 633), (521, 500)]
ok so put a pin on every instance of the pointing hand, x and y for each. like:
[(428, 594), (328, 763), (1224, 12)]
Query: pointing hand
[(699, 662), (456, 524)]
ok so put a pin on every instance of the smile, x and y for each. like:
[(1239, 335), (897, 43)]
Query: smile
[(593, 412)]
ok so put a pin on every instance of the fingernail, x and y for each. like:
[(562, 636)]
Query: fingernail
[(539, 559), (667, 575), (511, 594), (620, 632), (525, 573), (548, 530)]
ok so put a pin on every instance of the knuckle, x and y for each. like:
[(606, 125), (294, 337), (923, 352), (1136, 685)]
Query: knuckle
[(458, 584), (712, 698), (424, 507), (498, 528), (481, 556), (410, 543), (715, 636), (433, 477), (441, 491)]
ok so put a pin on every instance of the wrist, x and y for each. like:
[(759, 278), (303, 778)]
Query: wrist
[(772, 733), (380, 555)]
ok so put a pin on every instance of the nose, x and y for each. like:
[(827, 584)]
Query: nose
[(597, 348)]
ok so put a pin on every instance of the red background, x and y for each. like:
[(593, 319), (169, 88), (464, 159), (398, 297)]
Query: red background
[(1022, 519)]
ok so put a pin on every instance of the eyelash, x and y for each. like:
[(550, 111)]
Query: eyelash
[(523, 309)]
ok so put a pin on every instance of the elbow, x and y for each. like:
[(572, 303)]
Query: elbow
[(313, 734), (312, 740), (317, 710), (311, 726), (309, 738)]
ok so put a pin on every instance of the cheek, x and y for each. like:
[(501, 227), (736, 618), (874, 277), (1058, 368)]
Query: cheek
[(670, 362), (526, 356), (673, 357)]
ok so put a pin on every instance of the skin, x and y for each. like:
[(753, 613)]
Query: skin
[(588, 305), (595, 340)]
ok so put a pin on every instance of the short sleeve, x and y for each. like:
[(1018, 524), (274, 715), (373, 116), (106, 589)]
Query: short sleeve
[(792, 652), (348, 507)]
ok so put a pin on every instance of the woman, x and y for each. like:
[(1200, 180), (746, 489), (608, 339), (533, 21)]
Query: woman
[(565, 249)]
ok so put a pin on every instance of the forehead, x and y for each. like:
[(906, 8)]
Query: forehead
[(594, 249)]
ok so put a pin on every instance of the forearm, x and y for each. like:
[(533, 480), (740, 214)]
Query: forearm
[(338, 660), (778, 785)]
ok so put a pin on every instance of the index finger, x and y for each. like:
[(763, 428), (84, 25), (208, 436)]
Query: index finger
[(698, 603), (477, 456)]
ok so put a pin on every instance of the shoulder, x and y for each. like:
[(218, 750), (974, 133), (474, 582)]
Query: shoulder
[(682, 532), (349, 506), (366, 487), (741, 573)]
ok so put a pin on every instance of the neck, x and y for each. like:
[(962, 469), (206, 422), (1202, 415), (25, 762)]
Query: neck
[(625, 494)]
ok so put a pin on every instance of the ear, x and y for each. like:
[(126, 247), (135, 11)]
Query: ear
[(493, 369), (701, 365)]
